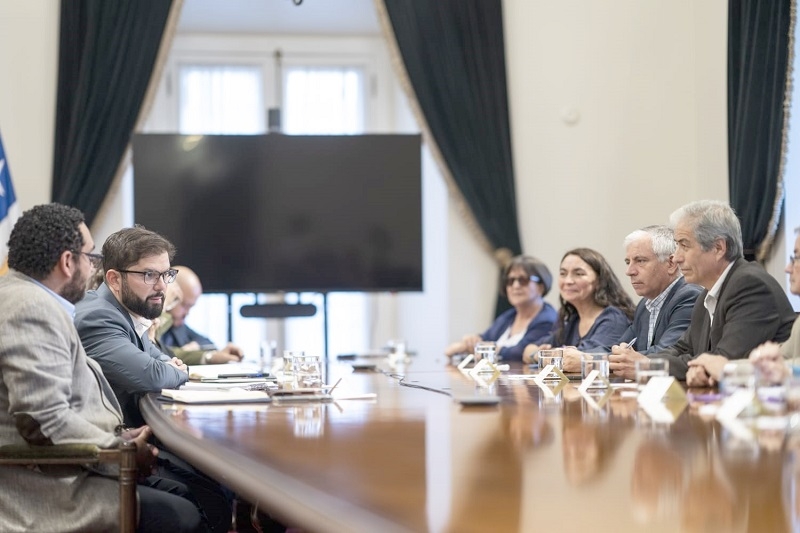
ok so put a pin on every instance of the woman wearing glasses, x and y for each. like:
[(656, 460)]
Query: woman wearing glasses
[(526, 281), (595, 310)]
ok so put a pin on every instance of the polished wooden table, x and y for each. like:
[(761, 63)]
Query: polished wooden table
[(414, 460)]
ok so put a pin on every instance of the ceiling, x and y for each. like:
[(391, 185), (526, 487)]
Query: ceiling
[(311, 17)]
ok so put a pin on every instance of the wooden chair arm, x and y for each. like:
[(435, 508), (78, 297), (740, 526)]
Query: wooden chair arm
[(81, 454)]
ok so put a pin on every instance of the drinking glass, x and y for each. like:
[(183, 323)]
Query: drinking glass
[(288, 363), (649, 368), (307, 370), (737, 376), (553, 357), (771, 391), (486, 350), (594, 361)]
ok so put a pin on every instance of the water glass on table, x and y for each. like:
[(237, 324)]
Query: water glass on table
[(594, 361), (307, 371), (646, 369), (288, 363), (486, 350), (553, 357)]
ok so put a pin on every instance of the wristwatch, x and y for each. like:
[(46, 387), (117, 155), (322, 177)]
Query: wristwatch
[(207, 357)]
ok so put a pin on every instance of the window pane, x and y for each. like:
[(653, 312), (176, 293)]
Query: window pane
[(221, 99), (326, 101)]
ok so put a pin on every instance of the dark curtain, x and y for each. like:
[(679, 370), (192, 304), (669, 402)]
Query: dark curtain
[(758, 53), (454, 53), (107, 50)]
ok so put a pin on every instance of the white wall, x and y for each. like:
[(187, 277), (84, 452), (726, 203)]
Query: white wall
[(646, 84), (28, 75)]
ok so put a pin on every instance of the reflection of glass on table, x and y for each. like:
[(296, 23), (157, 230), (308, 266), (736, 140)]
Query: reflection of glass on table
[(308, 421)]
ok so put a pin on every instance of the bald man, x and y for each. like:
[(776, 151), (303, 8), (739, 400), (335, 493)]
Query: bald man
[(190, 346)]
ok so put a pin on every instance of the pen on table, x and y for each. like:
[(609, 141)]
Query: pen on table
[(248, 375), (334, 386)]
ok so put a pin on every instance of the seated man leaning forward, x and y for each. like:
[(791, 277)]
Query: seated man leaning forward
[(525, 282), (741, 306), (114, 319), (771, 359), (113, 323), (187, 344), (51, 393), (665, 310)]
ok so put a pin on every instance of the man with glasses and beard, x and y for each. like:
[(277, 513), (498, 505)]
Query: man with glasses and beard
[(113, 321), (51, 393)]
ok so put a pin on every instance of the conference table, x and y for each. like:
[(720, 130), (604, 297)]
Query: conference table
[(411, 458)]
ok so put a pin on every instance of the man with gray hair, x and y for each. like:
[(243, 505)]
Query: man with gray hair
[(741, 306), (665, 310)]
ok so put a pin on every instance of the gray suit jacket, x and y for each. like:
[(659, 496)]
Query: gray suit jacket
[(673, 319), (752, 308), (54, 394), (133, 365)]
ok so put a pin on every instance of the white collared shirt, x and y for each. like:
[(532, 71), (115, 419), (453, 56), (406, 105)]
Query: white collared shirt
[(140, 324), (710, 302)]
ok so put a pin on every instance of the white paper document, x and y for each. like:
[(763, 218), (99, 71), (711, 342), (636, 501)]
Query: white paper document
[(236, 395)]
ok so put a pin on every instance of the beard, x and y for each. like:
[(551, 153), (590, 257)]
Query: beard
[(74, 291), (139, 306)]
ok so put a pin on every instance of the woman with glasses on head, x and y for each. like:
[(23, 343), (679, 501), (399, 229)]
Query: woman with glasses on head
[(526, 281), (595, 310)]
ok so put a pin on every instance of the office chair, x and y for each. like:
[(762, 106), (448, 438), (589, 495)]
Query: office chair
[(81, 454)]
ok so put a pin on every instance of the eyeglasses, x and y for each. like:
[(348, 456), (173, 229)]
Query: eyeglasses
[(151, 276), (96, 260), (523, 281)]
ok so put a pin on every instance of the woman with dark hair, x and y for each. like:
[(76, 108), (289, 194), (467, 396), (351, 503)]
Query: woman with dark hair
[(526, 281), (595, 310)]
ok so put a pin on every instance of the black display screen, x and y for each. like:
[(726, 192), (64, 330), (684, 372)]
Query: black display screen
[(267, 213)]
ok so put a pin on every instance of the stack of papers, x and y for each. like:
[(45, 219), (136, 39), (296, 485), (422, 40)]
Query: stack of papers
[(233, 395)]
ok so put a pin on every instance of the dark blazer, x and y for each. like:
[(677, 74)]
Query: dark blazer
[(538, 327), (132, 364), (673, 319), (752, 308)]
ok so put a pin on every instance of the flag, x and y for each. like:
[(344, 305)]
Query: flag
[(9, 209)]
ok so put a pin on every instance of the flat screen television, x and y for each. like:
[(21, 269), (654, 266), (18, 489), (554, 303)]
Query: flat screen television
[(271, 213)]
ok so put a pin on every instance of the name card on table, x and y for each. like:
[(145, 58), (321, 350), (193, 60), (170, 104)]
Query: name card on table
[(594, 381), (550, 373), (660, 388), (734, 404), (652, 399), (484, 367)]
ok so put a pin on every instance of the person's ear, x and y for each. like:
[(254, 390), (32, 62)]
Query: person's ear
[(720, 247), (114, 280), (66, 263), (672, 266)]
